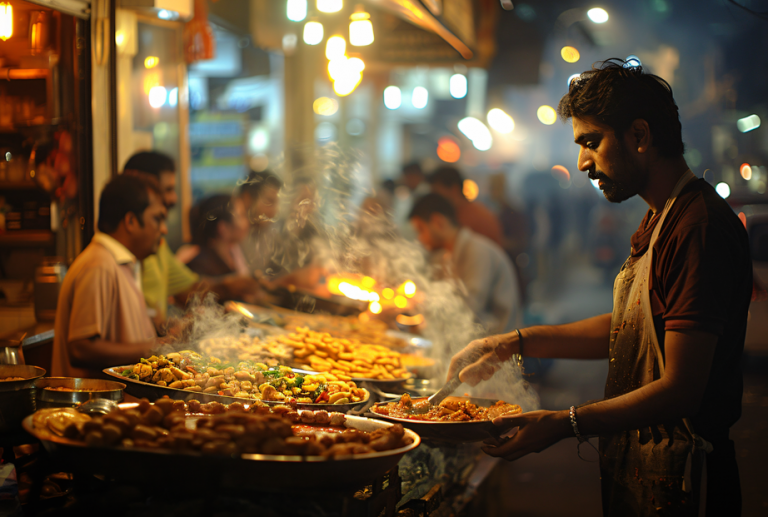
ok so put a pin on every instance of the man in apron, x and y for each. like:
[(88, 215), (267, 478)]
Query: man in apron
[(676, 335)]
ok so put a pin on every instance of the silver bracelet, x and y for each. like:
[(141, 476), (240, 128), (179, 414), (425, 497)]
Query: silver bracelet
[(572, 413)]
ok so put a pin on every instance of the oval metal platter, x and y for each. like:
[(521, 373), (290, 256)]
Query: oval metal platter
[(152, 392), (452, 432)]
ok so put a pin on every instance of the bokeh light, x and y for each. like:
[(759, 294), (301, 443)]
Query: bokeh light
[(477, 132), (375, 307), (401, 302), (296, 10), (723, 189), (547, 115), (500, 121), (561, 173), (313, 33), (748, 124), (458, 86), (325, 106), (569, 54), (409, 288), (470, 190), (746, 171), (157, 96), (393, 97), (387, 293), (335, 47), (448, 150), (598, 15), (420, 97), (329, 6), (151, 61)]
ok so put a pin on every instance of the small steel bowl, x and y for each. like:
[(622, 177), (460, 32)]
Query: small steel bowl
[(17, 398), (88, 389)]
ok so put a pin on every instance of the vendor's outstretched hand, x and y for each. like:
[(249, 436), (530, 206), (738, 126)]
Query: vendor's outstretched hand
[(537, 431), (478, 361)]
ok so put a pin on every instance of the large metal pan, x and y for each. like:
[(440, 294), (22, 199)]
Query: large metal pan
[(152, 392), (452, 432), (17, 398), (247, 472)]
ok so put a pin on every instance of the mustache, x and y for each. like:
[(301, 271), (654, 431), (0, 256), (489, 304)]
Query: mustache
[(597, 175)]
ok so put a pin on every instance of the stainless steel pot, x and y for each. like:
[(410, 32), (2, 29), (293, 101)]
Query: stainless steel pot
[(87, 389), (11, 349), (17, 398)]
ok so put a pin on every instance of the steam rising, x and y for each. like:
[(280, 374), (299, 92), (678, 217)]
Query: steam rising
[(332, 217)]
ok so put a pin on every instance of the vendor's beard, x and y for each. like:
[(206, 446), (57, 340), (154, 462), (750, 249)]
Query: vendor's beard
[(629, 181)]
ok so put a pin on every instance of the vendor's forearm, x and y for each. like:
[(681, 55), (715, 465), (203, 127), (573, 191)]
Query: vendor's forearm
[(100, 353), (585, 339)]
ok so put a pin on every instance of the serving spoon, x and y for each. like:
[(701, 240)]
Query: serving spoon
[(438, 397)]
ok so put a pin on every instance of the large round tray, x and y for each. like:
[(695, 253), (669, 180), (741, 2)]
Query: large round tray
[(152, 392), (247, 472), (453, 432)]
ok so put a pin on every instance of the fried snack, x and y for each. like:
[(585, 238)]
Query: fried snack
[(449, 410), (189, 371), (344, 358), (349, 327), (232, 430)]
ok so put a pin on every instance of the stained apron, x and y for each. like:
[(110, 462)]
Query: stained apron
[(648, 471)]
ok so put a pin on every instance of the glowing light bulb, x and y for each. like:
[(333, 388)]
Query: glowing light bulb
[(375, 307), (409, 288), (6, 21), (457, 86), (157, 96), (296, 10), (360, 29), (500, 121), (420, 97), (329, 6), (393, 97), (335, 47), (598, 15), (547, 115), (723, 189), (401, 302), (313, 33)]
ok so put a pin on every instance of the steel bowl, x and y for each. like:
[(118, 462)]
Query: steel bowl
[(87, 389), (18, 397)]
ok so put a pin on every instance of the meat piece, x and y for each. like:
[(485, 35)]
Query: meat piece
[(322, 417), (502, 408), (194, 406), (308, 417)]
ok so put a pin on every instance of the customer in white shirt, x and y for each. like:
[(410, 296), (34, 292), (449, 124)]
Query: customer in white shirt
[(480, 264)]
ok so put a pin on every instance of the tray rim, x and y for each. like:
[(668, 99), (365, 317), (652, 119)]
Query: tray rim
[(477, 423), (29, 426), (114, 374)]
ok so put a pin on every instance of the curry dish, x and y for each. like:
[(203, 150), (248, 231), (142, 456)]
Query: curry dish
[(448, 410)]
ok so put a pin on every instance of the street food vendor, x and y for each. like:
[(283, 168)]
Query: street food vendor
[(164, 275), (101, 319), (481, 266), (676, 335)]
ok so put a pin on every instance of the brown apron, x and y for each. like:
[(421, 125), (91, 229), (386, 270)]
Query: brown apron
[(657, 470)]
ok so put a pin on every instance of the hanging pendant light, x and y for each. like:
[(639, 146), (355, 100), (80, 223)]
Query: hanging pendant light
[(6, 21), (360, 28)]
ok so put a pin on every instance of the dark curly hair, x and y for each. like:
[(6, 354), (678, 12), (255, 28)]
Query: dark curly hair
[(616, 93)]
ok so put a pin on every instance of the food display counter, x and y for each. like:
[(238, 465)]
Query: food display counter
[(309, 380)]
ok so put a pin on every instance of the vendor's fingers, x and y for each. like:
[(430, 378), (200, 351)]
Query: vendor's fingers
[(481, 370), (510, 421), (495, 441)]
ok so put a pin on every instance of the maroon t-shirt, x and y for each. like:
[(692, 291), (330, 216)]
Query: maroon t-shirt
[(702, 280)]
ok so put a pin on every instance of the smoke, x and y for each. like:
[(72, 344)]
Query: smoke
[(204, 319), (353, 233)]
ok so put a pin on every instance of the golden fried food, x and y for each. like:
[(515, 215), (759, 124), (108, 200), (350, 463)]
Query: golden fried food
[(344, 358), (228, 430), (449, 410)]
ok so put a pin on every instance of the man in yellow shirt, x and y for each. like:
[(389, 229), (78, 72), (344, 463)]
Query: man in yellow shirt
[(165, 276)]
